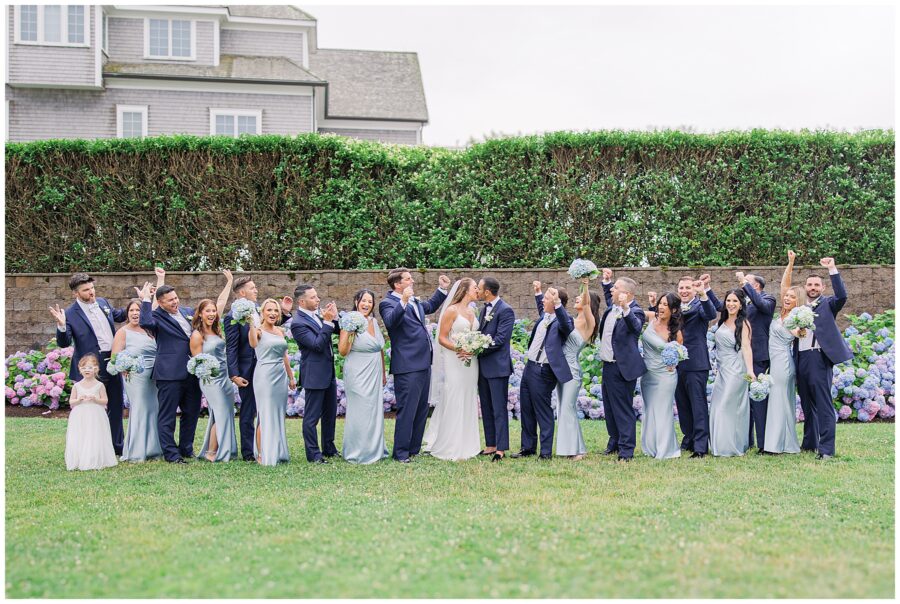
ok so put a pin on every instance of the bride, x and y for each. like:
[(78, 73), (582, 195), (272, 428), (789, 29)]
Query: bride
[(453, 428)]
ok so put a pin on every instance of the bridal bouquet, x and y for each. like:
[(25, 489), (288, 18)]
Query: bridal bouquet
[(801, 317), (759, 388), (125, 362), (353, 322), (673, 353), (471, 341), (581, 268), (204, 366), (241, 311)]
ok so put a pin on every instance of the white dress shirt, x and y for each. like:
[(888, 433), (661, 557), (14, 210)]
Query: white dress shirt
[(99, 323), (312, 314)]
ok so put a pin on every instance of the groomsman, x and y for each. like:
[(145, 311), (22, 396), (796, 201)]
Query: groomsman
[(411, 355), (690, 393), (623, 364), (760, 310), (494, 368), (242, 359), (546, 367), (87, 324), (312, 333), (815, 356), (170, 323)]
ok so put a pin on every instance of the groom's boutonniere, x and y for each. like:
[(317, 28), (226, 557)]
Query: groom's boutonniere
[(106, 310), (488, 317), (189, 317), (815, 302)]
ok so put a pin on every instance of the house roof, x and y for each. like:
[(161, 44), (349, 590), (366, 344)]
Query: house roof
[(231, 67), (366, 84), (269, 11)]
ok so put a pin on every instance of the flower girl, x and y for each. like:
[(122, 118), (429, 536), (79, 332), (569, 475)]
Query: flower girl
[(88, 439)]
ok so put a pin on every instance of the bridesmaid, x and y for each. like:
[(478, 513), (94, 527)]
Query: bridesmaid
[(219, 444), (659, 383), (142, 437), (272, 378), (781, 420), (729, 411), (570, 440), (364, 379)]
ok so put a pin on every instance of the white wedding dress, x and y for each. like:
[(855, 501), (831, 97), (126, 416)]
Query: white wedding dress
[(452, 432)]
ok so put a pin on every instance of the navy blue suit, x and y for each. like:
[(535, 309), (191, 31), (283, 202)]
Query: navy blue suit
[(177, 388), (317, 378), (539, 380), (242, 363), (494, 369), (815, 370), (693, 373), (620, 377), (80, 333), (759, 313), (411, 356)]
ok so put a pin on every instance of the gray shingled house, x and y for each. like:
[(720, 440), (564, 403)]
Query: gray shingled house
[(87, 71)]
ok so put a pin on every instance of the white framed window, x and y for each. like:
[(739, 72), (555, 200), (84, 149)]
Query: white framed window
[(52, 24), (234, 122), (131, 121), (170, 39)]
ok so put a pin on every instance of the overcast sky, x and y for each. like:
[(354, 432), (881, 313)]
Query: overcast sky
[(530, 69)]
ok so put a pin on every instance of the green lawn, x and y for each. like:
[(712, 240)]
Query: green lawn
[(757, 526)]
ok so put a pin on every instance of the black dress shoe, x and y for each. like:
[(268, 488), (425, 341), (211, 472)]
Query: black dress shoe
[(407, 460), (823, 456), (249, 458), (496, 457), (625, 459), (696, 455), (179, 460), (610, 450), (320, 460), (332, 455), (522, 453), (762, 452), (687, 448), (545, 457)]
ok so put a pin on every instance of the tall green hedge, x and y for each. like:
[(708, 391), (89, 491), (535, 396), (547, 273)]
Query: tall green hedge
[(324, 202)]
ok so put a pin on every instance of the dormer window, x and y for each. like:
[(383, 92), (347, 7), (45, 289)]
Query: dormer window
[(51, 25), (170, 39)]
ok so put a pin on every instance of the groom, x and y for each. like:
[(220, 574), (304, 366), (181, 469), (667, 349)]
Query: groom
[(411, 355), (494, 367)]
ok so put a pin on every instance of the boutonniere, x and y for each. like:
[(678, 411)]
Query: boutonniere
[(106, 310), (748, 301), (488, 317), (685, 307), (815, 302), (189, 317)]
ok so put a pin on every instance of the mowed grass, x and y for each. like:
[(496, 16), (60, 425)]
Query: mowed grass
[(756, 526)]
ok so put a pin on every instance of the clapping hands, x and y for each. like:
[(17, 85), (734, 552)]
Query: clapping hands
[(331, 312)]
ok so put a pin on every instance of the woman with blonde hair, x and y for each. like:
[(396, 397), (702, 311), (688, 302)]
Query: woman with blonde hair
[(781, 419), (272, 378)]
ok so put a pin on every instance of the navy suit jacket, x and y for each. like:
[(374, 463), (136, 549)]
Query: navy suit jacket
[(411, 347), (695, 324), (557, 333), (173, 347), (80, 332), (827, 333), (625, 337), (759, 313), (496, 360), (241, 356), (316, 353)]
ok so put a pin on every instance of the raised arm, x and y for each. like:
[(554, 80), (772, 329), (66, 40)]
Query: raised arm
[(538, 297), (253, 335), (63, 337), (788, 272), (440, 294), (763, 304), (837, 284), (226, 292)]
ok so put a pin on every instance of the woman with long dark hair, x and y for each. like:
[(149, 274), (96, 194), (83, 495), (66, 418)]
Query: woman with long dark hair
[(569, 439), (659, 382), (142, 437), (364, 380), (220, 443), (729, 410)]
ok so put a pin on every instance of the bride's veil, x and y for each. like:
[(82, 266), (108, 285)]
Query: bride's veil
[(438, 372)]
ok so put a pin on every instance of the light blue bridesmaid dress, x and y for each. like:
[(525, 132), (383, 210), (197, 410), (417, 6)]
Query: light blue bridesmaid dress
[(219, 394), (781, 419), (364, 422), (569, 439), (658, 389), (729, 410), (142, 437), (270, 386)]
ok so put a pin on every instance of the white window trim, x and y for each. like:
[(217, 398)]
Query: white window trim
[(104, 29), (120, 109), (64, 28), (169, 57), (213, 113)]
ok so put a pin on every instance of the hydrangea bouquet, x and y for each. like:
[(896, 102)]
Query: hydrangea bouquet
[(125, 362), (242, 310), (759, 388), (353, 322), (204, 366), (471, 341), (673, 353), (801, 317)]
